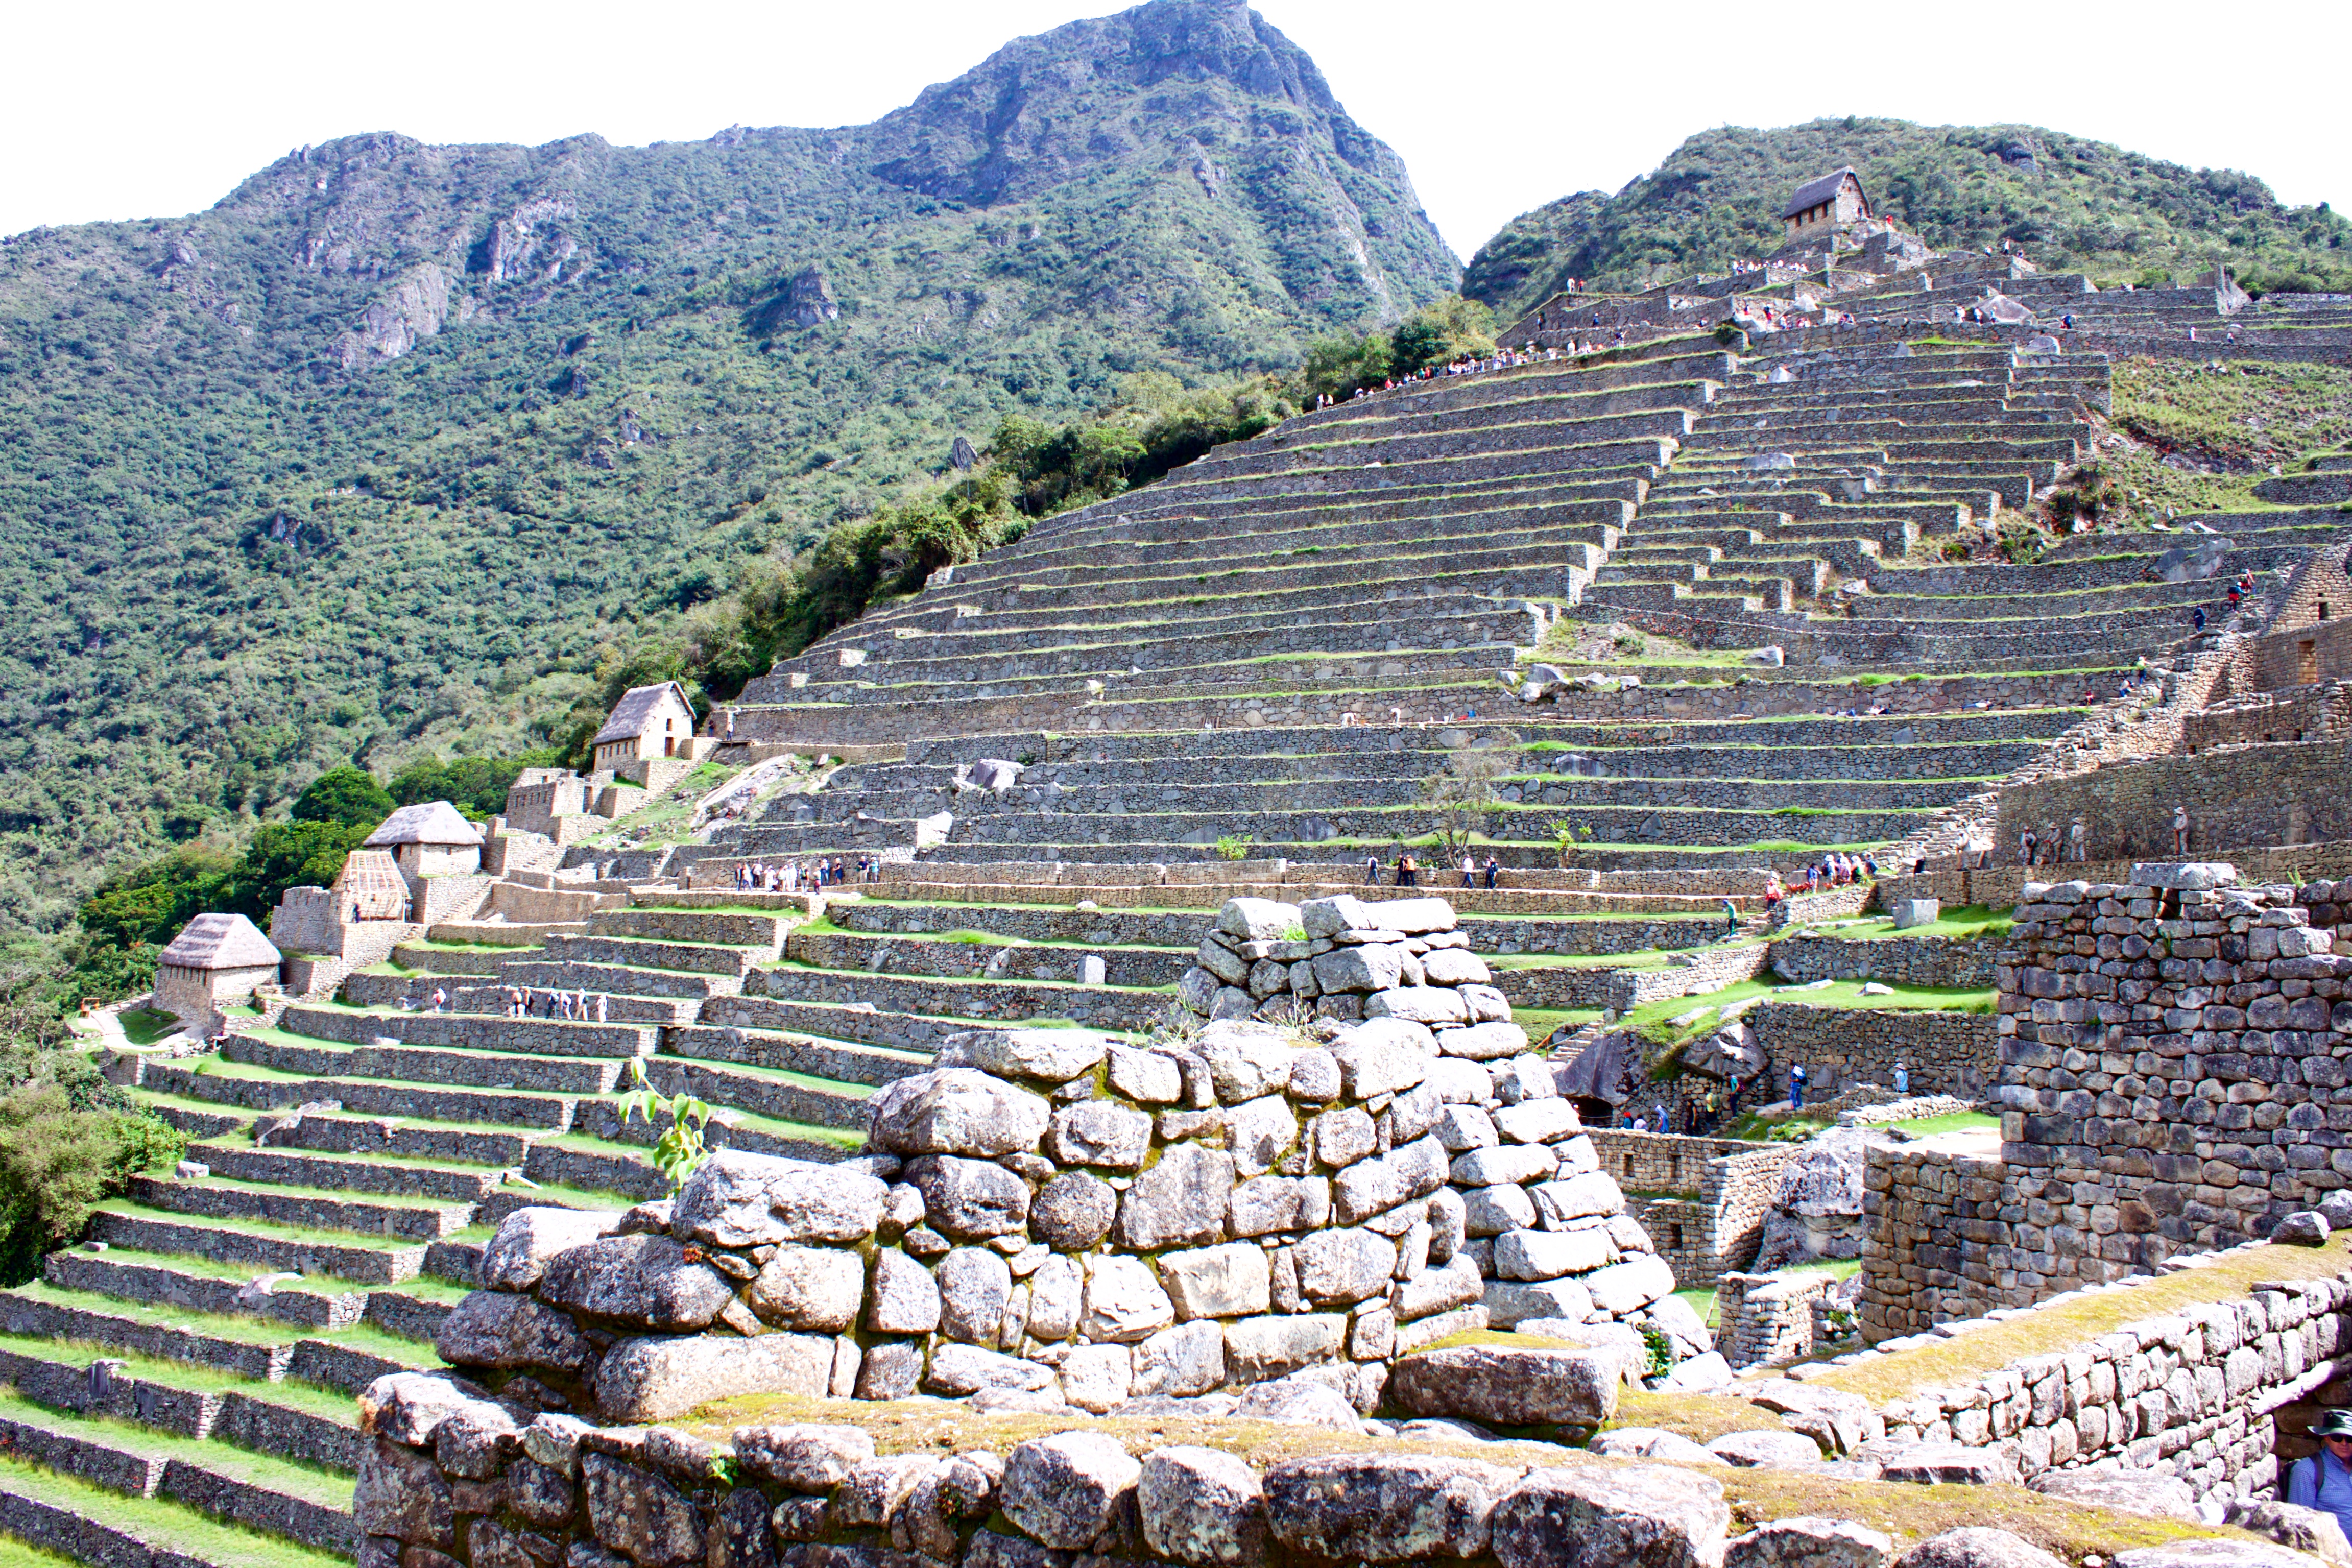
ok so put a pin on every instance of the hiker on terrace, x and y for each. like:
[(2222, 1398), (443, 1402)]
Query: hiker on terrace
[(1731, 916), (1469, 872), (2076, 848), (2025, 846), (1493, 867), (1371, 871), (1902, 1078), (2181, 832), (1796, 1086), (2324, 1480)]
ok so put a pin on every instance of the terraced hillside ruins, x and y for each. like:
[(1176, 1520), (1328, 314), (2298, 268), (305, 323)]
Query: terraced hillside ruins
[(1119, 1161)]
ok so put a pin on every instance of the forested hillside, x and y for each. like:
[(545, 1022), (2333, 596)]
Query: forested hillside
[(2073, 204), (374, 456)]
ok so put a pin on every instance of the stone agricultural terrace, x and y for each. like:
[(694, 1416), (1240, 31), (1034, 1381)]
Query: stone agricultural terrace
[(1108, 1170)]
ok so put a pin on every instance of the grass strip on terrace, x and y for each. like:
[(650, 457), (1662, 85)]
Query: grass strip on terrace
[(193, 1377), (2069, 1325), (167, 1525)]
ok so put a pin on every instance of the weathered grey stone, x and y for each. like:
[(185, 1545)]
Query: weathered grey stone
[(1503, 1385), (657, 1379), (876, 1491), (1181, 1361), (1065, 1490), (1303, 1400), (1378, 1185), (477, 1440), (492, 1328), (640, 1515), (1936, 1464), (1538, 1120), (971, 1200), (1483, 1042), (1216, 1282), (1343, 1136), (974, 1284), (1654, 1443), (1261, 1348), (2197, 1552), (1577, 1196), (1504, 1164), (1245, 1059), (967, 1369), (1096, 1132), (1258, 919), (1454, 966), (517, 1255), (2306, 1228), (1625, 1288), (2294, 1527), (400, 1494), (1260, 1131), (1049, 1055), (956, 1111), (1314, 1077), (1147, 1077), (1326, 917), (1412, 916), (409, 1406), (2191, 876), (1838, 1421), (738, 1199), (1448, 1216), (1383, 1508), (904, 1299), (1073, 1211), (889, 1370), (1374, 967), (1496, 1210), (1807, 1543), (1202, 1506), (1343, 1267), (1979, 1546), (1412, 1114), (1431, 1005), (1509, 1305), (1096, 1378), (804, 1457), (539, 1494), (817, 1288), (1439, 1289), (1056, 1295), (1124, 1300), (645, 1281), (1270, 1204), (1180, 1201), (1766, 1450), (1583, 1516), (2155, 1494), (1381, 1056), (553, 1440), (1550, 1254)]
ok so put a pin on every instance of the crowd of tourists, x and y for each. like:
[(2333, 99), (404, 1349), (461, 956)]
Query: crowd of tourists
[(804, 877), (574, 1006)]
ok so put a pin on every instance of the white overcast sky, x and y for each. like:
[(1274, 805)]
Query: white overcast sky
[(142, 109)]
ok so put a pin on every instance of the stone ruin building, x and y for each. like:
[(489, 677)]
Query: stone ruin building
[(1119, 1118)]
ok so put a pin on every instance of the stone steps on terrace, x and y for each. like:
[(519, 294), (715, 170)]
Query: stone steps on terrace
[(161, 1280), (729, 1039), (226, 1197), (446, 1069), (527, 1036), (757, 929), (1095, 1006), (210, 1480), (882, 954), (263, 1089), (259, 1349), (1354, 443), (833, 1025), (265, 1244), (337, 1173), (616, 980), (730, 963), (289, 1420)]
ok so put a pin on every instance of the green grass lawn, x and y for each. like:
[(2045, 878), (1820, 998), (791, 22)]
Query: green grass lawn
[(145, 1026), (1974, 920), (1654, 1019), (160, 1523)]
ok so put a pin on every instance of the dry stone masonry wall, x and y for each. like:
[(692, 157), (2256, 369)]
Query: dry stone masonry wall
[(1049, 1213)]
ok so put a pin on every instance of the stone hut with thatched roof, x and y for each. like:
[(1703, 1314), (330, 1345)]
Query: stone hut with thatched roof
[(214, 959), (646, 722), (370, 887), (429, 840)]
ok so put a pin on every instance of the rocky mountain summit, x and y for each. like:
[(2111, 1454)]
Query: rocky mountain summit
[(509, 398)]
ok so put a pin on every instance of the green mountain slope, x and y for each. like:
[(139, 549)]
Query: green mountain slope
[(2074, 205), (377, 454)]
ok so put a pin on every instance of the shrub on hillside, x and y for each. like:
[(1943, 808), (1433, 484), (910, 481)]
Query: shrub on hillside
[(347, 795), (59, 1159)]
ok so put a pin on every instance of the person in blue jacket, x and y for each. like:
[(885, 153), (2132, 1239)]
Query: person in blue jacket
[(2324, 1480)]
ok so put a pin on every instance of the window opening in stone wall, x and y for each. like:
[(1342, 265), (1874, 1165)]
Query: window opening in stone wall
[(2323, 610), (2306, 664), (1674, 1237)]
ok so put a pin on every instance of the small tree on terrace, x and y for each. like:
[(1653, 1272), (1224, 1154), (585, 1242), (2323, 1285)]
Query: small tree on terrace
[(1459, 796)]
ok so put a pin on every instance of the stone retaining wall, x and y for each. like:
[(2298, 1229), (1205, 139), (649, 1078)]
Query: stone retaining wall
[(1944, 1053), (2221, 1394), (1951, 963), (2285, 794), (1926, 1209), (2173, 1051), (1724, 1188), (1766, 1318)]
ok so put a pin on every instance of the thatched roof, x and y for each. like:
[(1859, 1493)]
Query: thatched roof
[(636, 706), (370, 880), (219, 942), (435, 822), (1813, 193)]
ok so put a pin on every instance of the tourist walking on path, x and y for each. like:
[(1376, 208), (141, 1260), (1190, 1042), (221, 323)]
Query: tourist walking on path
[(1796, 1086), (1493, 867), (1371, 871), (1730, 917), (1469, 872), (2181, 832)]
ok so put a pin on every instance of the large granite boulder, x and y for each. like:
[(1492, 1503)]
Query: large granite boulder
[(740, 1200), (1500, 1386)]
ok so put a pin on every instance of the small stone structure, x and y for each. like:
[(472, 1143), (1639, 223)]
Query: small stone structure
[(1825, 205), (1703, 1201), (439, 855), (216, 958), (648, 722), (1049, 1211)]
